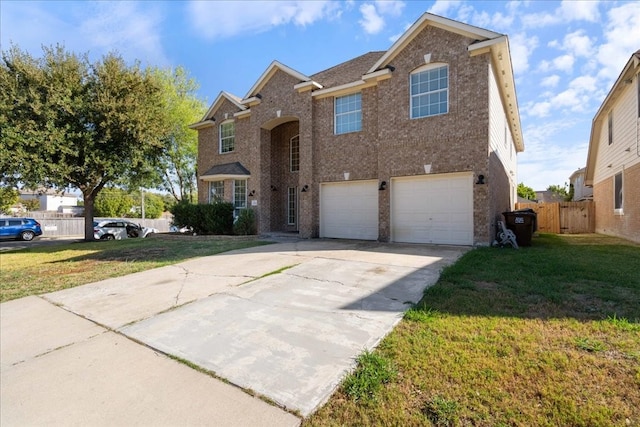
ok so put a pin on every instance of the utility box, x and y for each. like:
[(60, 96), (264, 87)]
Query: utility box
[(523, 223)]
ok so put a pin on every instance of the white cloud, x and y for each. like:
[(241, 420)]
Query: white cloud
[(578, 44), (621, 32), (564, 63), (574, 10), (87, 27), (550, 81), (229, 18), (549, 157), (126, 28), (521, 47), (568, 11), (442, 7), (373, 14), (371, 22), (390, 7), (539, 109)]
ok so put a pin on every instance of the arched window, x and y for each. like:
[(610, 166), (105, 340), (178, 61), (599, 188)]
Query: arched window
[(429, 87)]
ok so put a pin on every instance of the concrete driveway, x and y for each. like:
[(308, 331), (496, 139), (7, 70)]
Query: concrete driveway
[(285, 321)]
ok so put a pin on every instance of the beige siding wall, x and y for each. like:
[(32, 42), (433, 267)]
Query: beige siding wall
[(502, 157), (623, 153), (622, 156)]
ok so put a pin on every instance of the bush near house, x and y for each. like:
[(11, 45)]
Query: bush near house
[(214, 218), (245, 223)]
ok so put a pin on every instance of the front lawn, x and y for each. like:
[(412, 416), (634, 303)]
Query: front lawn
[(39, 270), (542, 336)]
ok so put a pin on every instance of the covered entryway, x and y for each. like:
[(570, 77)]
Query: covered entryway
[(432, 209), (349, 210)]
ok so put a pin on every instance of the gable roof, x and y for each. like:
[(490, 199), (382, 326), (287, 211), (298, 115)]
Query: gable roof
[(429, 19), (485, 41), (269, 72), (208, 119), (628, 72), (348, 71)]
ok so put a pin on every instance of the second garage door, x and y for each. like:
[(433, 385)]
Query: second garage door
[(349, 210), (432, 209)]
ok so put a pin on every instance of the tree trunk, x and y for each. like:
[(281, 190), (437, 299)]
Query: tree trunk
[(88, 216)]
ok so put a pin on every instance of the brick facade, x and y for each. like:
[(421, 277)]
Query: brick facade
[(390, 144), (627, 224)]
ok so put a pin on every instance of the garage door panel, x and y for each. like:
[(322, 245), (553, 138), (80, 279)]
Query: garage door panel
[(349, 210), (432, 209)]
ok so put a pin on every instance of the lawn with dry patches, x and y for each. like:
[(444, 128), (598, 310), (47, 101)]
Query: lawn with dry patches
[(547, 335)]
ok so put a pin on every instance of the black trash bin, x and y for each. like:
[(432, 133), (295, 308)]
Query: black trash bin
[(523, 223)]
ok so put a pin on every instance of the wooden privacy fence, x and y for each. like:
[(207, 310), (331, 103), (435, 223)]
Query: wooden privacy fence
[(563, 217)]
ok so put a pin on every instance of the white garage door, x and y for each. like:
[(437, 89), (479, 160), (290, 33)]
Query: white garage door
[(432, 209), (349, 210)]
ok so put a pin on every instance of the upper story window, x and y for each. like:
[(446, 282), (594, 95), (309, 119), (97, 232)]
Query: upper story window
[(294, 154), (429, 91), (610, 126), (227, 137), (348, 113)]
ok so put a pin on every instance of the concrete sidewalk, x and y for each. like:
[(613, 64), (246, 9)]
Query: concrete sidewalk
[(290, 336)]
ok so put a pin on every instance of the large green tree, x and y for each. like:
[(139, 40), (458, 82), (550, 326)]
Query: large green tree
[(526, 192), (177, 167), (66, 121), (561, 191), (9, 196)]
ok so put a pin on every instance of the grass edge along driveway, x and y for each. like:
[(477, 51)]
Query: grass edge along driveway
[(39, 270), (547, 335)]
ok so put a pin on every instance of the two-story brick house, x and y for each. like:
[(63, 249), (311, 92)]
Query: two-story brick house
[(613, 162), (414, 144)]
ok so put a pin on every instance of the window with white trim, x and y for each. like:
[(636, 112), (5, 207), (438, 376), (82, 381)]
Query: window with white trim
[(429, 91), (294, 154), (617, 193), (291, 205), (348, 113), (227, 137), (216, 191), (239, 195)]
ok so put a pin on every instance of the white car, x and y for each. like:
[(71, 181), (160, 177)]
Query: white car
[(117, 229)]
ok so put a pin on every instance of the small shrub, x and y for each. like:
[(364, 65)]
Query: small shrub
[(372, 372), (246, 223)]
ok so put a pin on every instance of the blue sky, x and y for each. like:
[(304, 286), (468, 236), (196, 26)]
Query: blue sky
[(566, 55)]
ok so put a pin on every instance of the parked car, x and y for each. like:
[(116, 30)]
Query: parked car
[(117, 229), (25, 229)]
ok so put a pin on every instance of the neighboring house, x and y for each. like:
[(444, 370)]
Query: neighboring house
[(50, 200), (613, 163), (580, 191), (548, 197), (414, 144)]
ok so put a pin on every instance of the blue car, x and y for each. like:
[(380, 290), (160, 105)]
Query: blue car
[(25, 229)]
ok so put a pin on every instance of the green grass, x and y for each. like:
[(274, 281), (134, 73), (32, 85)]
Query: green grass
[(547, 335), (39, 270)]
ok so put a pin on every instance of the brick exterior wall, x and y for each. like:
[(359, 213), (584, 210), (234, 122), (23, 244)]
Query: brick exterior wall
[(391, 144), (607, 222)]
